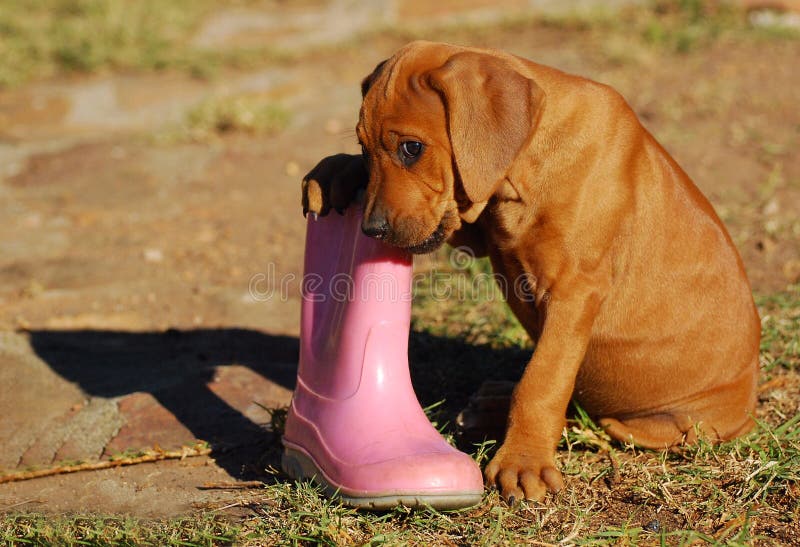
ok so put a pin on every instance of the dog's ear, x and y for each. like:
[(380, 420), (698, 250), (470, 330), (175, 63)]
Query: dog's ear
[(491, 111), (366, 83)]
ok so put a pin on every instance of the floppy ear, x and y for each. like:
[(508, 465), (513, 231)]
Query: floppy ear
[(491, 111)]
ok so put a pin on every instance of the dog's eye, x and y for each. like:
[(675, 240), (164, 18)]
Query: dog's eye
[(410, 151)]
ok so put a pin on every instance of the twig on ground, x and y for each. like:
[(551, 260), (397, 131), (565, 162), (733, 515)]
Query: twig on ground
[(26, 502), (147, 457), (229, 506), (614, 478), (231, 485), (778, 381)]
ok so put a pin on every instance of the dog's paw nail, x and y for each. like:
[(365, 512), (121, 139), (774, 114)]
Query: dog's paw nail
[(314, 215), (511, 501), (305, 213)]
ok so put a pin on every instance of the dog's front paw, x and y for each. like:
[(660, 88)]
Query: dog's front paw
[(333, 184), (521, 474)]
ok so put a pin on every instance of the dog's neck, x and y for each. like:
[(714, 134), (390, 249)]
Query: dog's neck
[(469, 212)]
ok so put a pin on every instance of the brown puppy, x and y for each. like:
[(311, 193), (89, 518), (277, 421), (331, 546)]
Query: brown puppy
[(640, 306)]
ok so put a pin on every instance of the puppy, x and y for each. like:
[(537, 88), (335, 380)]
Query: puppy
[(638, 300)]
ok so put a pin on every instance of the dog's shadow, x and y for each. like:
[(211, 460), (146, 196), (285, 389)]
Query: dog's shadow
[(176, 366)]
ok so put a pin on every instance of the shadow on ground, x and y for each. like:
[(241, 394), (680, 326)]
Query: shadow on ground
[(176, 367), (450, 370)]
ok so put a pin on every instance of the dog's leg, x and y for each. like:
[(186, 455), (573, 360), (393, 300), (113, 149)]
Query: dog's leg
[(333, 184), (524, 467), (718, 414), (656, 432)]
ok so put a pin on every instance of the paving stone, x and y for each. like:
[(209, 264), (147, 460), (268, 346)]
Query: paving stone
[(32, 397), (293, 27), (423, 10), (147, 424), (79, 434), (53, 434), (249, 392), (89, 430)]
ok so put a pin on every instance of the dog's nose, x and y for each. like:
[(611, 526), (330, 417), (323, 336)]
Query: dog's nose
[(375, 226)]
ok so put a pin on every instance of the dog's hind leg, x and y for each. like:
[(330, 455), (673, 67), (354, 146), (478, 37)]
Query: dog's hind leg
[(717, 414), (658, 431)]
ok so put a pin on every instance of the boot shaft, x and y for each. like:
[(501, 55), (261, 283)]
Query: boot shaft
[(351, 283)]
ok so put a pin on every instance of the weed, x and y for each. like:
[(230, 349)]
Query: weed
[(780, 331), (202, 530), (251, 114), (50, 37)]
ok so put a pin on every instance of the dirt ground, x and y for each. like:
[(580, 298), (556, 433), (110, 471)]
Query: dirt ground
[(133, 268)]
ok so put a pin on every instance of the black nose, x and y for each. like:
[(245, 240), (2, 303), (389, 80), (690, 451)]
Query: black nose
[(375, 226)]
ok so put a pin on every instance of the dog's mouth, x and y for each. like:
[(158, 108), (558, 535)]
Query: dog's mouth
[(430, 243)]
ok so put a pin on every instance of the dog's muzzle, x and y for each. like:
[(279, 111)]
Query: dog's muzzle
[(430, 243)]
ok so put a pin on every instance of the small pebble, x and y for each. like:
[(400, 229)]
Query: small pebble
[(153, 255), (293, 169), (771, 208), (653, 526)]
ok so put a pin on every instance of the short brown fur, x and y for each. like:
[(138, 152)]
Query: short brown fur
[(639, 303)]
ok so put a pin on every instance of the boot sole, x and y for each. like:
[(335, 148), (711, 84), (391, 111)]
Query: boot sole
[(301, 466)]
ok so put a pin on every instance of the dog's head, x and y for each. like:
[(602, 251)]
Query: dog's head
[(440, 126)]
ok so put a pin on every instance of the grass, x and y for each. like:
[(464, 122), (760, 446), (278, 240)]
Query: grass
[(460, 285), (671, 26), (46, 38), (780, 341), (247, 113), (252, 114), (206, 529)]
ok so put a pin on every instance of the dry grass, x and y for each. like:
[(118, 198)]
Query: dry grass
[(45, 38), (219, 116)]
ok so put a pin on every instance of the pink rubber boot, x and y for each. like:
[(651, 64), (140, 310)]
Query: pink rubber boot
[(355, 425)]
